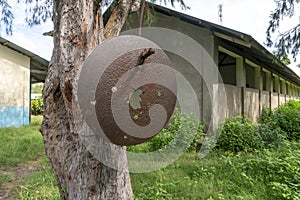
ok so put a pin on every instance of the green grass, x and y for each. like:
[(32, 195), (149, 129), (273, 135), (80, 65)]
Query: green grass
[(243, 176), (265, 174), (39, 185), (5, 177), (22, 144)]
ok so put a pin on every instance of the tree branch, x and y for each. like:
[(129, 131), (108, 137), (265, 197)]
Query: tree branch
[(117, 19), (135, 5), (6, 16), (288, 41)]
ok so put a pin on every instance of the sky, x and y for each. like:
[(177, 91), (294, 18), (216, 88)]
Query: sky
[(247, 16)]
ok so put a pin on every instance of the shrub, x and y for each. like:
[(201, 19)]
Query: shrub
[(271, 135), (239, 134), (266, 115), (187, 129), (37, 106), (286, 117)]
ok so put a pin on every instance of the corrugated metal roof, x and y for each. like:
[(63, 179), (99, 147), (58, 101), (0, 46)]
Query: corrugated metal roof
[(38, 65)]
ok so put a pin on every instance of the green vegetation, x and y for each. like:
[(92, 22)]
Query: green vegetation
[(37, 106), (37, 88), (250, 161), (40, 184), (286, 118), (19, 145), (239, 135), (187, 129), (261, 175), (5, 177)]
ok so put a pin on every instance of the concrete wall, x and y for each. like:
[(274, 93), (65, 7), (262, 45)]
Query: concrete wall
[(234, 104), (265, 99), (14, 88), (258, 86), (194, 78), (274, 100), (251, 105), (201, 74), (244, 82), (282, 99), (252, 109)]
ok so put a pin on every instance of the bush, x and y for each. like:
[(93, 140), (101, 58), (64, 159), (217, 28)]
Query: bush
[(187, 129), (266, 115), (183, 130), (37, 106), (286, 117), (239, 134), (271, 135)]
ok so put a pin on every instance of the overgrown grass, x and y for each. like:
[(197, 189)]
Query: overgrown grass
[(40, 184), (272, 173), (260, 175), (22, 144)]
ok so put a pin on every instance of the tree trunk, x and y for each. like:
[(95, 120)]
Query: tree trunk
[(78, 29)]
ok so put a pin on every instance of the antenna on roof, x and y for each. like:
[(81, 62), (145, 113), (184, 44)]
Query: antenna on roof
[(220, 13)]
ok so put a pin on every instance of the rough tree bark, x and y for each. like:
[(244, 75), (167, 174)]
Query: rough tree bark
[(78, 29)]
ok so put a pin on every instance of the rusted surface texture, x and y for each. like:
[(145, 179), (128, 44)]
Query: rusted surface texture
[(127, 90), (147, 95)]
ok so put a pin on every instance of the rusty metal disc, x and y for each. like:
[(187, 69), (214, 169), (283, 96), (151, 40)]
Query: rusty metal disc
[(116, 94)]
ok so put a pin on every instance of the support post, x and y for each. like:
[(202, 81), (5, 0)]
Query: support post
[(241, 80)]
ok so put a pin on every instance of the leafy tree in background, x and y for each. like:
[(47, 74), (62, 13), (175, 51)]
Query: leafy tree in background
[(37, 88), (78, 29), (284, 58), (287, 42), (6, 16)]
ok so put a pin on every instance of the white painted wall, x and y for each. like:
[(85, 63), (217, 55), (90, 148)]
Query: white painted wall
[(14, 88)]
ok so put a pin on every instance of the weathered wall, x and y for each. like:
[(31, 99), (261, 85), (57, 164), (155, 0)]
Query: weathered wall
[(193, 72), (248, 101), (14, 88), (274, 100), (234, 104), (252, 103), (192, 75), (265, 99), (282, 99)]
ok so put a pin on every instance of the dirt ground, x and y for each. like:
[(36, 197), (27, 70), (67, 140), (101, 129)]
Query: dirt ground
[(8, 189)]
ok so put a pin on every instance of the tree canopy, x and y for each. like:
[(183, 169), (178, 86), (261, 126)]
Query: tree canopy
[(287, 42)]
